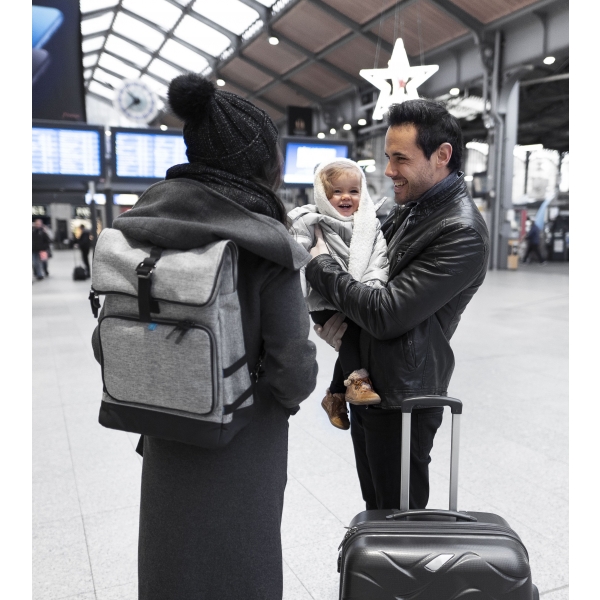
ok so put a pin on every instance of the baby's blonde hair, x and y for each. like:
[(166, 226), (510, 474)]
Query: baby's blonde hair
[(333, 171)]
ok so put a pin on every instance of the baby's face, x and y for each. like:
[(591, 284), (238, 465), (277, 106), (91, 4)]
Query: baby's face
[(346, 193)]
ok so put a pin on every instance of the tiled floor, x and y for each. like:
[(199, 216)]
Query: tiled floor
[(511, 373)]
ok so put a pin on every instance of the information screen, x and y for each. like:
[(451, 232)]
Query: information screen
[(147, 155), (56, 151), (302, 157)]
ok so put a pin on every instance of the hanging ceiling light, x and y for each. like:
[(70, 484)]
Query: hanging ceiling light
[(220, 82), (549, 60), (347, 126), (333, 130), (320, 135), (362, 122), (273, 40), (454, 92)]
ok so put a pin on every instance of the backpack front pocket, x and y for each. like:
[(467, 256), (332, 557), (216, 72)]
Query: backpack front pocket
[(166, 364)]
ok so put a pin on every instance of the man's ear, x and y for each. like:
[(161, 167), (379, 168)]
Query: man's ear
[(443, 155)]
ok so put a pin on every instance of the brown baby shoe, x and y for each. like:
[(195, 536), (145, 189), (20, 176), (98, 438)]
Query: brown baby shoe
[(335, 407), (359, 389)]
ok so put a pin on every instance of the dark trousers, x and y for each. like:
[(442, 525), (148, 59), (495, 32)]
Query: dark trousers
[(349, 354), (377, 436), (84, 257), (533, 249)]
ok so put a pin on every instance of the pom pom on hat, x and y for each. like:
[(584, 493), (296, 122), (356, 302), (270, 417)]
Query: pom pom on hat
[(189, 96)]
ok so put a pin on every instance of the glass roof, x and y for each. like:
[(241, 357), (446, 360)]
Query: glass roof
[(157, 40)]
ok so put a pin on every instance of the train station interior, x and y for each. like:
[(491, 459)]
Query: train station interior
[(325, 72)]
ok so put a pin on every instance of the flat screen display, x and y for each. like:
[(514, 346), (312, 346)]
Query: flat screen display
[(301, 158), (140, 155), (73, 152)]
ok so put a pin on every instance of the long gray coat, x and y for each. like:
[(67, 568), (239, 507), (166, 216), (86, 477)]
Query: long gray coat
[(210, 519)]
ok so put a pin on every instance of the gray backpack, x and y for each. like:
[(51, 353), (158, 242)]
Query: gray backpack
[(171, 342)]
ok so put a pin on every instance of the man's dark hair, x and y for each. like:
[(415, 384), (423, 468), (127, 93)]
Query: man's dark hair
[(434, 124)]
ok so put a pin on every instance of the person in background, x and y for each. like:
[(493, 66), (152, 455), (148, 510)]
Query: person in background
[(40, 248), (83, 243), (533, 243)]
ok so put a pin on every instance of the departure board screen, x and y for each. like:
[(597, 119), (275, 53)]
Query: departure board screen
[(301, 158), (56, 151), (147, 155)]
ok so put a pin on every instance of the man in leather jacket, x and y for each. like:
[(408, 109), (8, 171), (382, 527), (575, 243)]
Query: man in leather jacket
[(438, 248)]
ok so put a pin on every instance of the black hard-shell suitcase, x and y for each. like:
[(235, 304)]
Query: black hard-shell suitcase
[(432, 554)]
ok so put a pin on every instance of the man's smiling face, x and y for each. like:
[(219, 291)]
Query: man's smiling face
[(412, 173)]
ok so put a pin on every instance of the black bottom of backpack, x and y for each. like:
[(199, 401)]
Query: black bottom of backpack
[(176, 428)]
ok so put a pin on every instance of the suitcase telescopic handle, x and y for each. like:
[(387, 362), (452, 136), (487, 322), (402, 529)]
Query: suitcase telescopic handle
[(439, 513), (428, 402)]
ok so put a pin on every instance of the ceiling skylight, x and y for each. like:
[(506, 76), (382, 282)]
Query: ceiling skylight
[(231, 14), (89, 61), (158, 87), (137, 31), (163, 70), (115, 65), (161, 12), (126, 50), (180, 55), (104, 77), (202, 36), (101, 90), (93, 44), (101, 23), (90, 5)]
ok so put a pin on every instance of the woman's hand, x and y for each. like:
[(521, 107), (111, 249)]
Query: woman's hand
[(332, 331), (320, 247)]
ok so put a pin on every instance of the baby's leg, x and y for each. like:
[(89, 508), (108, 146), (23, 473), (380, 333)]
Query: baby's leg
[(359, 389)]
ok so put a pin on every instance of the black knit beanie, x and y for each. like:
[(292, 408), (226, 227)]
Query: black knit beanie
[(221, 129)]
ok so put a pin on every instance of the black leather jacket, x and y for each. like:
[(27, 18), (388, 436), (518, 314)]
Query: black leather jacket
[(436, 266)]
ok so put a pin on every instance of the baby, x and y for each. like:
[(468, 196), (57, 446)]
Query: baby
[(346, 215)]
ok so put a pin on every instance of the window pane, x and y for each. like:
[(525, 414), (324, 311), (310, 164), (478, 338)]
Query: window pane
[(158, 87), (101, 23), (87, 74), (231, 14), (163, 70), (105, 77), (93, 44), (112, 64), (158, 11), (202, 36), (99, 89), (127, 51), (180, 55), (138, 31), (89, 61), (90, 5)]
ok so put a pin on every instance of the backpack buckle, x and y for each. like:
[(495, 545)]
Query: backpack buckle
[(144, 270)]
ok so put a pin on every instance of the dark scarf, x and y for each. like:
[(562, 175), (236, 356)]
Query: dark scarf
[(420, 209), (252, 195)]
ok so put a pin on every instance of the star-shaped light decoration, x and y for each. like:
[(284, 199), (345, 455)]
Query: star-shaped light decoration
[(405, 80)]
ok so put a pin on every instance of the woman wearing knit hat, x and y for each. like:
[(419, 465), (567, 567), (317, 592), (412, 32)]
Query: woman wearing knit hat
[(210, 519)]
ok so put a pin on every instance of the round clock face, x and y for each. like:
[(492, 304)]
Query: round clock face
[(137, 101)]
